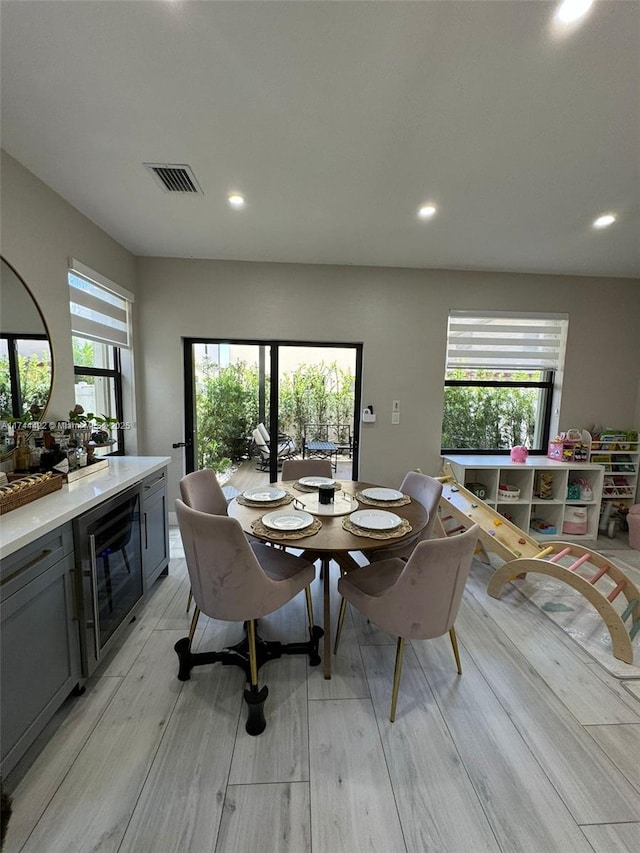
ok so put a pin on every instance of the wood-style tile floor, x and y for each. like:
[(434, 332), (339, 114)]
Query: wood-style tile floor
[(534, 748)]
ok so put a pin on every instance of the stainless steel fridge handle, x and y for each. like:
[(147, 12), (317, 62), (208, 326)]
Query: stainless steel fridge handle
[(94, 585)]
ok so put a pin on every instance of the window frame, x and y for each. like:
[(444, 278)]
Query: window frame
[(114, 373), (12, 339), (508, 342), (548, 388)]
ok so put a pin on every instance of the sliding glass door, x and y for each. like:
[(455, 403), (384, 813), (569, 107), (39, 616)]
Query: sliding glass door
[(241, 424)]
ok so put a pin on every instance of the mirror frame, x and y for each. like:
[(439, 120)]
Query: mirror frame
[(44, 324)]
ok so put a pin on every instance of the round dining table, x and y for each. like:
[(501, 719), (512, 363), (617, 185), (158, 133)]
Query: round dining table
[(332, 540)]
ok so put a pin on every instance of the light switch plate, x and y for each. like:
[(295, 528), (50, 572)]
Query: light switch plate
[(395, 417), (395, 406)]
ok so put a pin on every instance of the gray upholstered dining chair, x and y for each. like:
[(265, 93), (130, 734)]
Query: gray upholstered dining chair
[(426, 491), (293, 469), (416, 600), (201, 490), (236, 581)]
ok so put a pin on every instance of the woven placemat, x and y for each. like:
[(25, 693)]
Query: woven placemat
[(300, 487), (404, 528), (264, 504), (405, 499), (260, 530)]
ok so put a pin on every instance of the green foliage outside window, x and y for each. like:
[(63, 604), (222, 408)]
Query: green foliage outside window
[(482, 418), (227, 406), (83, 353), (35, 383)]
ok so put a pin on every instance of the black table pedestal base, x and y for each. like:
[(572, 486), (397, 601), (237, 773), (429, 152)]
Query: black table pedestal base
[(238, 655)]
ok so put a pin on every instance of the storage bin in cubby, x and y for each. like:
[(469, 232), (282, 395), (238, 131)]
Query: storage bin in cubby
[(521, 478), (488, 478), (550, 515)]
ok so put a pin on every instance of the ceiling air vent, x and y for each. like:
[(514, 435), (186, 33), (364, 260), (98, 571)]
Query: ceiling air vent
[(174, 178)]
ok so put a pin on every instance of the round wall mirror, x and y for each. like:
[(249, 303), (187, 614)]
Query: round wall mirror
[(26, 362)]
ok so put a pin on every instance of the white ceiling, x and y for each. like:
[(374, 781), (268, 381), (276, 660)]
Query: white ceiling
[(337, 120)]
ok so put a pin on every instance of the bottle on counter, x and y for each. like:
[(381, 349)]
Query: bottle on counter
[(22, 455), (81, 455)]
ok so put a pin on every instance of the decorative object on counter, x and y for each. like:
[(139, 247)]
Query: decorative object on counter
[(93, 466), (22, 453), (22, 491), (63, 466), (519, 453)]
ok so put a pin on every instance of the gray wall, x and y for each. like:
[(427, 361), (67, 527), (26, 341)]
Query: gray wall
[(400, 316), (40, 232)]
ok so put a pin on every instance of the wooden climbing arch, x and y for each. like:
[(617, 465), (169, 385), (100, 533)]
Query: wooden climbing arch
[(524, 554)]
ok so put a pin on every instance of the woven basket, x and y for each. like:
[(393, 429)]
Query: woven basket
[(29, 489)]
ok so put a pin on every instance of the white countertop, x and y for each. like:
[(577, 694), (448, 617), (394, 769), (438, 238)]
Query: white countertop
[(24, 525), (472, 461)]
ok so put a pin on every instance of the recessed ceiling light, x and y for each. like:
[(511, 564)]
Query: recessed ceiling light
[(427, 211), (235, 200), (572, 10), (605, 220)]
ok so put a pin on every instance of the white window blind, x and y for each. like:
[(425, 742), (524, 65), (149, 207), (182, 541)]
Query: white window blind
[(100, 309), (506, 341)]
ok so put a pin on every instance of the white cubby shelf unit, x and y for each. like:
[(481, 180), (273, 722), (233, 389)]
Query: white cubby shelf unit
[(542, 518)]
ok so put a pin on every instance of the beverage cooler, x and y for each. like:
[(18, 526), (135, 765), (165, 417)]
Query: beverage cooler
[(108, 565)]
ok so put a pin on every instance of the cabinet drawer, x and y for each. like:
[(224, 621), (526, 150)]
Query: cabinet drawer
[(154, 483), (29, 562)]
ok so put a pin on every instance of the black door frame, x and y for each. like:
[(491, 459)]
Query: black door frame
[(274, 345)]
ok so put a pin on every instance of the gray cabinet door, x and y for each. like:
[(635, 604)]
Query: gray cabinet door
[(40, 656), (155, 528)]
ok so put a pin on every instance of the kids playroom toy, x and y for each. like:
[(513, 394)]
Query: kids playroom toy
[(575, 565)]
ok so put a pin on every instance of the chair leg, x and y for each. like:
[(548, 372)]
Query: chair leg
[(194, 622), (254, 698), (253, 658), (307, 592), (397, 672), (341, 615), (189, 597), (454, 644)]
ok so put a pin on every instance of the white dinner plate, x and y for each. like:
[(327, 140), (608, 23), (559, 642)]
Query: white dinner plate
[(382, 494), (287, 519), (264, 494), (375, 519), (316, 481)]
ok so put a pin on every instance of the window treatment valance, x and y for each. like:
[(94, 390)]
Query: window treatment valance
[(506, 341), (100, 310)]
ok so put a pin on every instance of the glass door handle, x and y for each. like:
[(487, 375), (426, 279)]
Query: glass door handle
[(186, 443)]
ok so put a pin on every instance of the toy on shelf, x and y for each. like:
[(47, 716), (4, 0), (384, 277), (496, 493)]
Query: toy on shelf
[(544, 485), (570, 446), (519, 454)]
